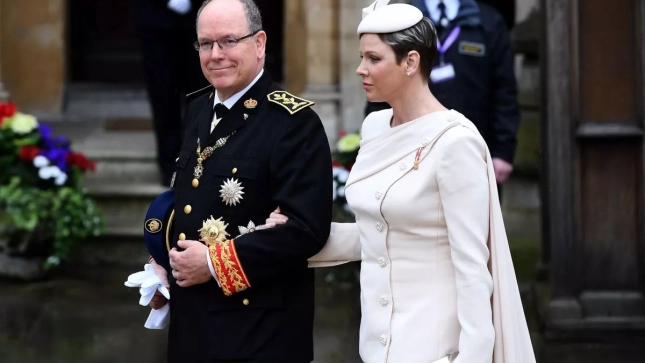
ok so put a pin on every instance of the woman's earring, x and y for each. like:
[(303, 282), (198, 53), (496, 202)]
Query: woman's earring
[(408, 73)]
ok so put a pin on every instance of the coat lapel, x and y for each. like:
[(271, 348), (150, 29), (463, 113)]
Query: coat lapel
[(387, 147), (242, 111), (204, 119)]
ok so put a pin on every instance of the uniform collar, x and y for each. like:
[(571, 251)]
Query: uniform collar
[(243, 108), (236, 97), (452, 8)]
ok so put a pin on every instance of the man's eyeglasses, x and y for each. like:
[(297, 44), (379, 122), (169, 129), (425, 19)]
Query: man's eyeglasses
[(226, 43)]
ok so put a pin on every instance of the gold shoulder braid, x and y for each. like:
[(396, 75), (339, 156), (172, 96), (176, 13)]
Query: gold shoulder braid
[(290, 102), (204, 154)]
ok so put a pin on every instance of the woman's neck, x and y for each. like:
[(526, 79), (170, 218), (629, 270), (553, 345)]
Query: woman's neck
[(413, 103)]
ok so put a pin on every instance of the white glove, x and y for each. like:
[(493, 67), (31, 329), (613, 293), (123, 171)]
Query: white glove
[(179, 6), (149, 283)]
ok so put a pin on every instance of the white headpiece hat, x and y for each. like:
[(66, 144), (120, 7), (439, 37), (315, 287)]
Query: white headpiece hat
[(379, 18)]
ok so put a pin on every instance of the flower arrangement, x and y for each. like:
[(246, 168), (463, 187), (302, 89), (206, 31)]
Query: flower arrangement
[(40, 190), (344, 158)]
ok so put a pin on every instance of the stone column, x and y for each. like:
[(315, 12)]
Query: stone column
[(34, 53), (311, 47), (353, 99), (4, 95)]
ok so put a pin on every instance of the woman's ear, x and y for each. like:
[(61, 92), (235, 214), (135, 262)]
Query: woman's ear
[(412, 63)]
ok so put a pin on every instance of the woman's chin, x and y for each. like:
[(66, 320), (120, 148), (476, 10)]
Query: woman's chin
[(371, 97)]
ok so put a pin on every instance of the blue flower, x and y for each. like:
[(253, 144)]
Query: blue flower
[(57, 157), (45, 132)]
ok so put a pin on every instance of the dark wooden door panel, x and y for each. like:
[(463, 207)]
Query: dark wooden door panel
[(607, 60), (104, 44), (610, 219)]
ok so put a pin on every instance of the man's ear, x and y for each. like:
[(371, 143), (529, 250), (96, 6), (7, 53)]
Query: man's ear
[(260, 43)]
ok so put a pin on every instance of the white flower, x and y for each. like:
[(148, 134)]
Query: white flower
[(53, 260), (22, 123), (49, 172), (334, 188), (40, 161), (348, 143), (341, 191), (61, 179), (343, 175)]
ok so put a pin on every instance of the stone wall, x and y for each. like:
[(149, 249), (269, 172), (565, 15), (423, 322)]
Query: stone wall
[(32, 38)]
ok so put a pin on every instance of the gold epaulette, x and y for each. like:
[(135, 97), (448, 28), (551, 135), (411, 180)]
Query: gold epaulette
[(199, 92), (290, 102)]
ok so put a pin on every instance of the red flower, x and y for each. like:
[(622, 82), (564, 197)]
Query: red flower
[(335, 163), (79, 160), (28, 153), (342, 133), (7, 109)]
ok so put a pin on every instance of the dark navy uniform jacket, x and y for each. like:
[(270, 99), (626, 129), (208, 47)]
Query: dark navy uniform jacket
[(279, 153), (484, 88)]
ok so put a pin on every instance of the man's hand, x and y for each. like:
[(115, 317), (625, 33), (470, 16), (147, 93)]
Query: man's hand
[(190, 266), (503, 170), (158, 301)]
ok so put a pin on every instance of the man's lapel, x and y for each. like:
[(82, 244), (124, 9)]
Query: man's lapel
[(246, 107), (204, 119)]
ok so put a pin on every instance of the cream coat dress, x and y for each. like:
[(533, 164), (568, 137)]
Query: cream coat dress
[(436, 271)]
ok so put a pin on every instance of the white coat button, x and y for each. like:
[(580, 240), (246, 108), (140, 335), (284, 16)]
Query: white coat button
[(378, 195), (384, 339), (425, 141), (383, 300), (402, 166), (379, 227), (382, 262)]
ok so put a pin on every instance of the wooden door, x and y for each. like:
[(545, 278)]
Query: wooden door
[(593, 161), (104, 45)]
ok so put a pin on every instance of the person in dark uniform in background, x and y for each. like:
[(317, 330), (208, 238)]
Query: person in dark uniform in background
[(474, 73), (239, 292), (171, 69)]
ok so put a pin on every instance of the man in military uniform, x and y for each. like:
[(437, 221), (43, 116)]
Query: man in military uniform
[(238, 292)]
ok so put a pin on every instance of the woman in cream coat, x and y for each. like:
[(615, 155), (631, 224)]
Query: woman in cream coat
[(437, 281)]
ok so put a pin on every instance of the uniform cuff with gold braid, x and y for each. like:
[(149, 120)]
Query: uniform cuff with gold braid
[(228, 268)]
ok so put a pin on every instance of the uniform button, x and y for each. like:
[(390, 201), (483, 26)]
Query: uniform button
[(245, 301), (234, 170), (425, 141), (176, 160), (379, 227), (382, 262), (383, 300), (402, 166), (195, 183), (378, 195), (182, 236), (188, 209), (384, 339)]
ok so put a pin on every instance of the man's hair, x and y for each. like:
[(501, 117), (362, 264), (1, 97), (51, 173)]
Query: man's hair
[(251, 10), (421, 37)]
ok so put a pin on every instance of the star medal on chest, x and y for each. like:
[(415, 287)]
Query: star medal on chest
[(202, 155), (213, 231), (231, 192)]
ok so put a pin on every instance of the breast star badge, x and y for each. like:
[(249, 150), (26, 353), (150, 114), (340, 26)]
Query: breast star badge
[(213, 231), (231, 192), (251, 227)]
